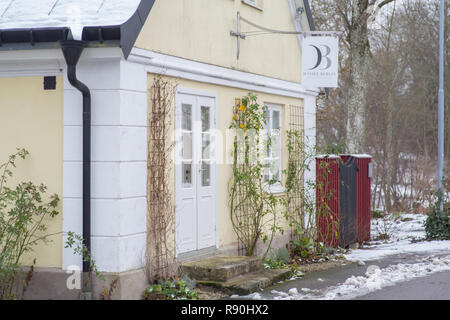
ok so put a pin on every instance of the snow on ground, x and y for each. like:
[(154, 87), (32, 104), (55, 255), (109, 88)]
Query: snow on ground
[(374, 279), (403, 233), (406, 235)]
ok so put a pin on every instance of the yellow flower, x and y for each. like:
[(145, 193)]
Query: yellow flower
[(242, 108), (234, 117), (242, 126)]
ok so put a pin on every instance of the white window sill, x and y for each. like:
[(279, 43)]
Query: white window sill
[(275, 188), (252, 5)]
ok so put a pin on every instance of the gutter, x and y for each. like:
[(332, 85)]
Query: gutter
[(72, 50), (312, 27), (123, 35)]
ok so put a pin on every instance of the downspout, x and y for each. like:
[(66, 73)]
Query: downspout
[(72, 50)]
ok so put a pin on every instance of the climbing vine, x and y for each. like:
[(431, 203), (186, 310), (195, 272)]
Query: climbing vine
[(303, 210), (306, 201), (253, 211), (161, 262)]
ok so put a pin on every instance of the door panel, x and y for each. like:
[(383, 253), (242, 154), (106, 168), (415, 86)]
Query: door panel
[(207, 175), (196, 173), (186, 234), (186, 179)]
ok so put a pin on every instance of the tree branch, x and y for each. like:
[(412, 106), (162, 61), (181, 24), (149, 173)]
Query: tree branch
[(385, 2)]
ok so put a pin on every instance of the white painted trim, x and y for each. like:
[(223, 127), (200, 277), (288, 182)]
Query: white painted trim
[(31, 73), (195, 92), (187, 69), (297, 24)]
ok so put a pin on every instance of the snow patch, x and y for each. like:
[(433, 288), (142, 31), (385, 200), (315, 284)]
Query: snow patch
[(402, 231), (374, 279)]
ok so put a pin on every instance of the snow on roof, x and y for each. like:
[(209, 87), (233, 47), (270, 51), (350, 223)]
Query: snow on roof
[(75, 14)]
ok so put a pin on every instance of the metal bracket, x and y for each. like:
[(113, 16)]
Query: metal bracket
[(238, 34)]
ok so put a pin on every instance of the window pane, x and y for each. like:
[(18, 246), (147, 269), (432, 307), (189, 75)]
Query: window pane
[(267, 119), (186, 120), (275, 140), (206, 146), (276, 172), (187, 175), (187, 145), (272, 160), (276, 120), (206, 174), (206, 119), (266, 171)]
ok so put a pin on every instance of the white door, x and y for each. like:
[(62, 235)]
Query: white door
[(196, 174)]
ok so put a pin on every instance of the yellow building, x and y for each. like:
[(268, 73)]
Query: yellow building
[(95, 117)]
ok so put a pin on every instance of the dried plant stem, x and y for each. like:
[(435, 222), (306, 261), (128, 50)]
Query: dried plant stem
[(161, 261)]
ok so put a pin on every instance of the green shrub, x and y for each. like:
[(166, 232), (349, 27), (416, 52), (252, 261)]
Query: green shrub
[(170, 290), (273, 264), (437, 224), (302, 247), (279, 254), (23, 213)]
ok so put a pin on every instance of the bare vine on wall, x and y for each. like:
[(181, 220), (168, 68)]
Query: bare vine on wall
[(161, 260)]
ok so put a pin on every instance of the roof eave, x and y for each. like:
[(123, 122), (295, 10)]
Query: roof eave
[(124, 35)]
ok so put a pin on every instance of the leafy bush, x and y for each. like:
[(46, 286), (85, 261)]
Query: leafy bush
[(273, 264), (170, 290), (437, 224), (279, 254), (302, 247), (23, 211)]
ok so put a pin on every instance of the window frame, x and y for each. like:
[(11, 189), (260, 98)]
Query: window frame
[(253, 4), (276, 187)]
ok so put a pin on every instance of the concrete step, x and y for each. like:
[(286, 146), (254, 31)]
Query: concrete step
[(251, 282), (221, 268)]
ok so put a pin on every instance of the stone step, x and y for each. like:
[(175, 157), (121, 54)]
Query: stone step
[(221, 267), (251, 282)]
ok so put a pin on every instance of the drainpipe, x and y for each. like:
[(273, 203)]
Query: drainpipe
[(72, 50)]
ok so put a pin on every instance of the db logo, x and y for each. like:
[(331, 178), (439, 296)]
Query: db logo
[(323, 51)]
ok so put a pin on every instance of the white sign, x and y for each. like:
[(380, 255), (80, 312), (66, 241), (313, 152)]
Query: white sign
[(320, 62)]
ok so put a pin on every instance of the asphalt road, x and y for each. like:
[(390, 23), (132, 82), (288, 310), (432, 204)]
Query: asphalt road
[(433, 287)]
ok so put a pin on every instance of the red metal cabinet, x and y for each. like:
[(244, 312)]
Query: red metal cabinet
[(329, 202)]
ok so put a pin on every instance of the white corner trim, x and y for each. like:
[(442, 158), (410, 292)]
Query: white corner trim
[(297, 24), (183, 68)]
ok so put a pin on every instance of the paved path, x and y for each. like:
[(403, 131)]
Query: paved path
[(434, 286)]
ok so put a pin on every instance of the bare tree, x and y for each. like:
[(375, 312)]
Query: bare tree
[(354, 16), (400, 110)]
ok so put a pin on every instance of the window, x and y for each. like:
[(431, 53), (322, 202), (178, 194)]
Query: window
[(254, 3), (272, 154)]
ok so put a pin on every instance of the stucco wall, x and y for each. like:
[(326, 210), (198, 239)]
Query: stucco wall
[(225, 102), (32, 118), (200, 30)]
